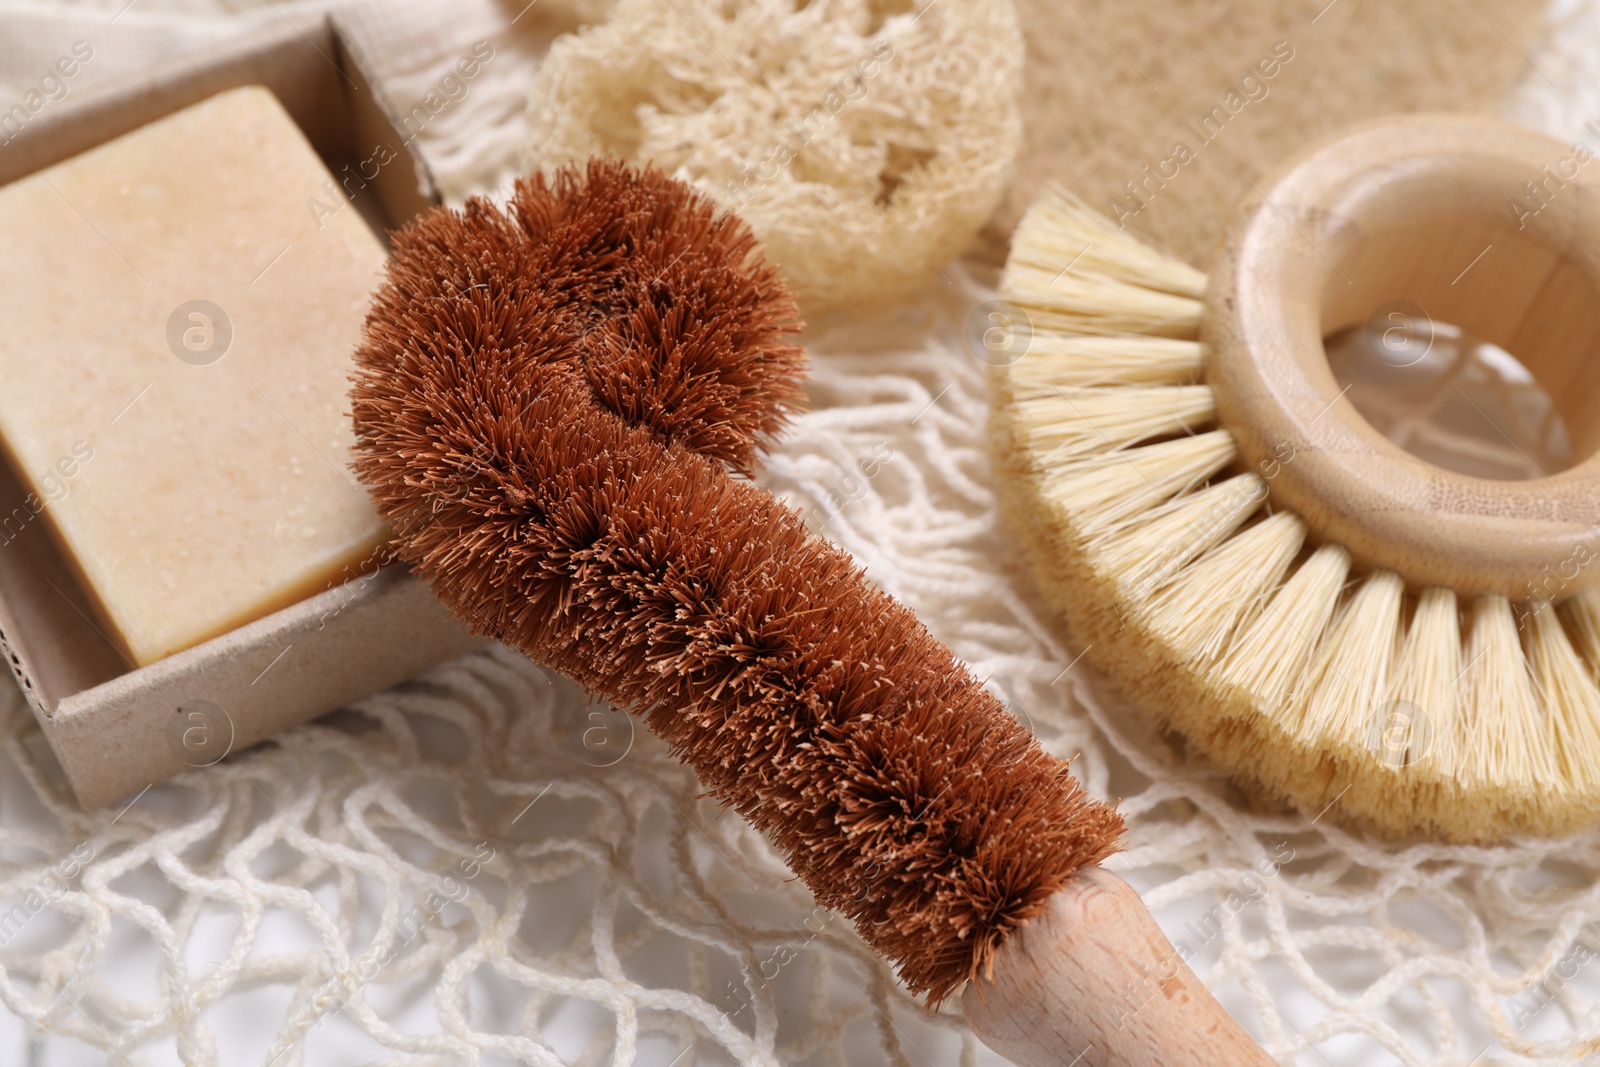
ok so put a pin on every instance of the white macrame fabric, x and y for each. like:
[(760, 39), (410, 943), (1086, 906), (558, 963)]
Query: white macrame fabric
[(481, 866)]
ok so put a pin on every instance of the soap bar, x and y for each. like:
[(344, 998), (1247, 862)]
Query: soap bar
[(178, 308)]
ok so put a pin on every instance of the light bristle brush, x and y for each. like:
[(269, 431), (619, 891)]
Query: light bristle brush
[(1328, 617), (552, 405)]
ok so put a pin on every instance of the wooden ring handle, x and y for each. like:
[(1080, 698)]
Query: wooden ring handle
[(1485, 225), (1093, 982)]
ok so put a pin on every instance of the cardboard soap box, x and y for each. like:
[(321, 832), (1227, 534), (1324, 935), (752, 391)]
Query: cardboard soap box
[(115, 730)]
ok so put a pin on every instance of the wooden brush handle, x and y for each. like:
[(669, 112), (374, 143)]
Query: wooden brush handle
[(1475, 223), (1093, 982)]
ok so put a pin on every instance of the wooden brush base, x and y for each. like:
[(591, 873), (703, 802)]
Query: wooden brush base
[(1477, 223)]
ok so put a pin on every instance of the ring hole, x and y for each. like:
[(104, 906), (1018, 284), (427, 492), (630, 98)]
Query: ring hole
[(1466, 341), (1449, 397)]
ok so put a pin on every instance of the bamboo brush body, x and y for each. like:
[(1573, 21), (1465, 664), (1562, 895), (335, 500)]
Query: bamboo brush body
[(1330, 619), (551, 406)]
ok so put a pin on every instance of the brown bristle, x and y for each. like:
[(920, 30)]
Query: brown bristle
[(547, 404)]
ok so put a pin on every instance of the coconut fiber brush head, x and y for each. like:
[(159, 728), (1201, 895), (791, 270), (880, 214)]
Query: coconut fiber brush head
[(1332, 619), (553, 407)]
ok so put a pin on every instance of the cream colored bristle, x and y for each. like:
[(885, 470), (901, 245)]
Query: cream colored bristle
[(1215, 597), (1147, 552), (1053, 360), (1060, 234), (1336, 701), (1074, 271), (1427, 679), (1108, 487), (1101, 306), (1277, 648), (1511, 738), (1566, 690), (1582, 614), (1076, 422)]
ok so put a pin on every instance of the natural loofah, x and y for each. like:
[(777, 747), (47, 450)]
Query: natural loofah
[(1113, 87), (865, 143), (545, 403)]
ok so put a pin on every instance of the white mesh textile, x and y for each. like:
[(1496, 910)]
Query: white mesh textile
[(483, 867)]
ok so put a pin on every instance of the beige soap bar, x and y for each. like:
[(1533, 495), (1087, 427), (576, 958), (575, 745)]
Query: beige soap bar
[(178, 309)]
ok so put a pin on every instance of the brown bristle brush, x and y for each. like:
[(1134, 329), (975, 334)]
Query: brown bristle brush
[(553, 407)]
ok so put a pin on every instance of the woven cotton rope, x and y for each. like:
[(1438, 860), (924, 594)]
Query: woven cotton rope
[(524, 877)]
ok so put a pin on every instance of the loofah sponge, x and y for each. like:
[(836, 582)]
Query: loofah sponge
[(864, 142)]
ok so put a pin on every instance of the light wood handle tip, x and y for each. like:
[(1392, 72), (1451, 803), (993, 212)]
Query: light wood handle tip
[(1093, 982)]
